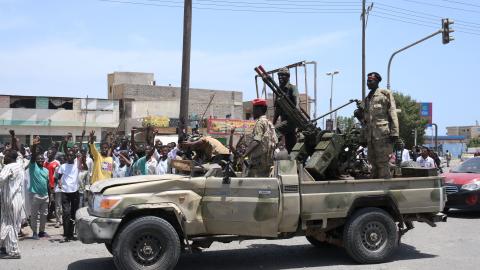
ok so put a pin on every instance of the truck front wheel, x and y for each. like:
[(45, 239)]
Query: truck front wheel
[(370, 236), (147, 243)]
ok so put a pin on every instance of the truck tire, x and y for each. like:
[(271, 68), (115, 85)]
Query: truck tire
[(146, 243), (370, 236), (316, 243)]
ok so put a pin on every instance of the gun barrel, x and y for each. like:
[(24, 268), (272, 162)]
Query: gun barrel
[(334, 110)]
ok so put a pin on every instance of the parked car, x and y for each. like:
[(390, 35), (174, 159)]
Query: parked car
[(463, 185)]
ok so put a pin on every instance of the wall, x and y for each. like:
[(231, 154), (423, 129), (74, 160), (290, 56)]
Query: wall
[(117, 78), (68, 118), (224, 102)]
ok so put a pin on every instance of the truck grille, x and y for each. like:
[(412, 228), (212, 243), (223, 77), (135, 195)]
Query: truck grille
[(451, 189)]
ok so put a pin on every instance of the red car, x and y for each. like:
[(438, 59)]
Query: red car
[(463, 185)]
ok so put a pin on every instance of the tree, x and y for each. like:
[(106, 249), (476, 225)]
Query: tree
[(409, 119), (474, 142), (345, 123)]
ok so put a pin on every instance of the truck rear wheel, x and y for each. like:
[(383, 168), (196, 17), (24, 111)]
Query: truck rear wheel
[(147, 243), (370, 236)]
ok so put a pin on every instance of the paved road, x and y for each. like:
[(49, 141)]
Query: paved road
[(452, 245)]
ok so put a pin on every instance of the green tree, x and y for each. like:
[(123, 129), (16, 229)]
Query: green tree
[(409, 119), (345, 123), (474, 142)]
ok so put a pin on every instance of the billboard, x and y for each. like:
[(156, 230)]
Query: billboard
[(426, 111), (223, 126)]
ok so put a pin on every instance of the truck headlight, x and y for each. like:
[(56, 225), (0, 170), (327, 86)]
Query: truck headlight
[(103, 203), (471, 186)]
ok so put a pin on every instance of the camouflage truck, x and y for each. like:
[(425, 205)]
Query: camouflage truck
[(147, 221)]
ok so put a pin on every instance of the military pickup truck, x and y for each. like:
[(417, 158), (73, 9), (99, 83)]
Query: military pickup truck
[(147, 221)]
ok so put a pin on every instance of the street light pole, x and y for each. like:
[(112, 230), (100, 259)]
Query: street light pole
[(331, 74), (446, 38)]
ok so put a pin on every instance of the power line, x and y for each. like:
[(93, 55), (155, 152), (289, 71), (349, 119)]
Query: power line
[(471, 27), (442, 6), (320, 11), (233, 4), (461, 3), (418, 22), (427, 14), (282, 3)]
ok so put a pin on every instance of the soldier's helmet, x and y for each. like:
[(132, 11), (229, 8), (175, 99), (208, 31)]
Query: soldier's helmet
[(284, 70)]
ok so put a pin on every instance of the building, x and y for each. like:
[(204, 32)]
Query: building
[(53, 117), (455, 144), (468, 131), (140, 98)]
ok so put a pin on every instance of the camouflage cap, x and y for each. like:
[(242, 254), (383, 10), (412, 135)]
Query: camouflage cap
[(284, 71)]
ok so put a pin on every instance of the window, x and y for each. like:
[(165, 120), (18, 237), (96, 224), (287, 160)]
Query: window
[(22, 102)]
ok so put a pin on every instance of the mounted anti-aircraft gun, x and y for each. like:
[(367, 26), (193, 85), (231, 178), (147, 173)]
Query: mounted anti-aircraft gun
[(317, 149)]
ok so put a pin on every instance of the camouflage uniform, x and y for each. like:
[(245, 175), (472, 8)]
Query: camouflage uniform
[(261, 158), (382, 123), (286, 127)]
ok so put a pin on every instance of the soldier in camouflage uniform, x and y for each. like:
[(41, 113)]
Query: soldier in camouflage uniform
[(261, 148), (286, 127), (382, 130)]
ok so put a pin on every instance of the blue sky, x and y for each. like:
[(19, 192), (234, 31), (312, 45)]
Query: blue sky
[(66, 48)]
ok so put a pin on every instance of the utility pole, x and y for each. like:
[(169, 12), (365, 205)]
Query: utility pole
[(364, 25), (185, 84)]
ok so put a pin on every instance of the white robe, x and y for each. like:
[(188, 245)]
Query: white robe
[(11, 184)]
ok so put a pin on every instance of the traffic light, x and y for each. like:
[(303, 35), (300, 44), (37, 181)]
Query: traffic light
[(446, 38)]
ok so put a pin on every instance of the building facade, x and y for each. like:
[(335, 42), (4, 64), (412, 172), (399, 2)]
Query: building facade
[(468, 132), (140, 98), (53, 117)]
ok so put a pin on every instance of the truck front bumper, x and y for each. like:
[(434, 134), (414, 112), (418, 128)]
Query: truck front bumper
[(91, 229)]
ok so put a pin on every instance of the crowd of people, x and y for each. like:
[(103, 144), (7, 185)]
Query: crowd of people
[(37, 185)]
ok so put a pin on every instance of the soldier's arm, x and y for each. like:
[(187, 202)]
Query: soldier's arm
[(276, 114), (392, 113), (258, 131), (295, 96)]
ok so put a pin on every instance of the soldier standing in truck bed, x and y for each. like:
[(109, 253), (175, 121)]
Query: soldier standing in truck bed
[(260, 149), (286, 127), (380, 118)]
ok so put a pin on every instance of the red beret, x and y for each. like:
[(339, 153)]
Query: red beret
[(259, 102)]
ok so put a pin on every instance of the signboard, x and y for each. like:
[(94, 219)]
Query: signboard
[(156, 121), (223, 126), (426, 111)]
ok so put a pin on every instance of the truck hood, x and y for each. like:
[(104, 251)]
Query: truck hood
[(100, 186)]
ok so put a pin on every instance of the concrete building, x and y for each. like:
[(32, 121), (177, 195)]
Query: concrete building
[(468, 132), (139, 98), (53, 117)]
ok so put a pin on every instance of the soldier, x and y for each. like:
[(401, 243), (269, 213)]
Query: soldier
[(380, 118), (286, 127), (260, 149)]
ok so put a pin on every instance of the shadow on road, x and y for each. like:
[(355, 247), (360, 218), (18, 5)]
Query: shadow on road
[(261, 256), (464, 214), (98, 263)]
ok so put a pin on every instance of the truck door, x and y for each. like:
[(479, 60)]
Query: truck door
[(246, 206)]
